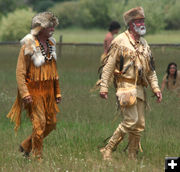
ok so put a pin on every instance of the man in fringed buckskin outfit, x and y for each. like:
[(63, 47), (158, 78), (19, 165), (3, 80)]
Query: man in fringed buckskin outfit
[(130, 61), (38, 83)]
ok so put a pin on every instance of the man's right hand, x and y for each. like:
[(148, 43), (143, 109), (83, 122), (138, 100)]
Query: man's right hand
[(27, 100), (103, 95)]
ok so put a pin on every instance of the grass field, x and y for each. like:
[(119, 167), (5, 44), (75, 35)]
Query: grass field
[(77, 35), (86, 120)]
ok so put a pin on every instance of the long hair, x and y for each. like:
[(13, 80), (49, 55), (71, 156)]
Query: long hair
[(168, 73)]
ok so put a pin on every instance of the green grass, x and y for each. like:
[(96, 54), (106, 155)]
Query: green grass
[(78, 35), (86, 120), (164, 37)]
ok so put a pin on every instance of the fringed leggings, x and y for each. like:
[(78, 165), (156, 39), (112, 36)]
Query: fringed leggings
[(43, 123)]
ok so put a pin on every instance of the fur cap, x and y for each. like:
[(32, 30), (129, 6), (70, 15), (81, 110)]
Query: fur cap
[(132, 14), (43, 20)]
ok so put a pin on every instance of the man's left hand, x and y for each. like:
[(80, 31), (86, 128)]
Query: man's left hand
[(159, 96), (58, 100)]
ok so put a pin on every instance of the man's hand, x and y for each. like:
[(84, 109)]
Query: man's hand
[(159, 96), (58, 100), (27, 100), (104, 95)]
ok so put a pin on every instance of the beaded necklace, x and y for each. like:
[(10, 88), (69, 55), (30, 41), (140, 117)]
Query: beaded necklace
[(49, 51)]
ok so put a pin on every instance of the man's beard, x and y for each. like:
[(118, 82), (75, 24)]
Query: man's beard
[(141, 30)]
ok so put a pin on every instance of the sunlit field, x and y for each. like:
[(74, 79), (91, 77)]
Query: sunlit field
[(86, 120), (77, 35)]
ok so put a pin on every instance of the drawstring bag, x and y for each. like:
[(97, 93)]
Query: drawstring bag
[(127, 96)]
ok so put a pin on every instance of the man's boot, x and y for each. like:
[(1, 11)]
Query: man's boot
[(116, 138), (106, 153), (26, 146), (133, 146)]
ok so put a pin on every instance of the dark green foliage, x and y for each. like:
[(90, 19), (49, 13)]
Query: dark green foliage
[(43, 5), (94, 13), (16, 25), (172, 16), (67, 13), (34, 2), (10, 5), (40, 5), (160, 14), (63, 0), (84, 13)]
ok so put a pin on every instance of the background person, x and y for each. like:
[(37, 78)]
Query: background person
[(171, 80), (113, 29)]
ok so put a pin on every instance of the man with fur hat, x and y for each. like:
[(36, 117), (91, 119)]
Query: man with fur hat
[(130, 61), (38, 83)]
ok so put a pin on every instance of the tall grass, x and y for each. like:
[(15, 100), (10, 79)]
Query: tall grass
[(86, 120)]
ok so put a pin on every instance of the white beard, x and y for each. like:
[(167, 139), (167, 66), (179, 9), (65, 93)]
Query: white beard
[(140, 30)]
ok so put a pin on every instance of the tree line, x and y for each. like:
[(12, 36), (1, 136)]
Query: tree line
[(160, 14)]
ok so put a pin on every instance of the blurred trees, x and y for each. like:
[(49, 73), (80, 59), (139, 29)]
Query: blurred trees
[(172, 18), (160, 14), (99, 13), (42, 5), (10, 5), (83, 13), (67, 12), (94, 13), (16, 24)]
